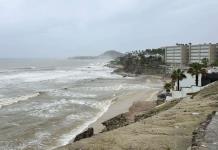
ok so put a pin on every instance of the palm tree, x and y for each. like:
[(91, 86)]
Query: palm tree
[(178, 75), (196, 69), (168, 86)]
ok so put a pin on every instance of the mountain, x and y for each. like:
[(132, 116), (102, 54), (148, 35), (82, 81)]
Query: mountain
[(83, 57), (111, 54)]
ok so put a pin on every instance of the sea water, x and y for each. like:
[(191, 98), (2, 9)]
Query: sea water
[(45, 103)]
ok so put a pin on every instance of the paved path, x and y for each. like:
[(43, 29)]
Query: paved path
[(211, 137)]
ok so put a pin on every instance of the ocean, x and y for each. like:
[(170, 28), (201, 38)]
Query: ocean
[(45, 103)]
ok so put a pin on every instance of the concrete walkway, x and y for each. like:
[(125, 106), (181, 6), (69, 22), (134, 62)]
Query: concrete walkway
[(211, 137)]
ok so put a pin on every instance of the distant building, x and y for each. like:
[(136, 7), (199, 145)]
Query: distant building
[(184, 54), (201, 51), (177, 55), (217, 50)]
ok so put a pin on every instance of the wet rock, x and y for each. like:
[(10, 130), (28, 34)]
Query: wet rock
[(86, 134)]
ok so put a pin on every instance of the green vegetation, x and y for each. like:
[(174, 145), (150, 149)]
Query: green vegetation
[(178, 75), (159, 51), (142, 62), (168, 86), (196, 69), (215, 63), (204, 62)]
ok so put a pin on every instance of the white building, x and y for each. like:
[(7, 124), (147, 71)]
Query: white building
[(177, 55), (201, 51), (184, 54)]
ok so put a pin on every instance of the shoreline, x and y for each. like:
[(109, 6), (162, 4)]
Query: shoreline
[(121, 104), (171, 129)]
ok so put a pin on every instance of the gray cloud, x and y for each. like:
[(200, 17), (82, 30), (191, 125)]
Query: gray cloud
[(54, 28)]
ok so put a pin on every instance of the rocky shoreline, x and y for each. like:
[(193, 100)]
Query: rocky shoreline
[(122, 120), (125, 118), (170, 128)]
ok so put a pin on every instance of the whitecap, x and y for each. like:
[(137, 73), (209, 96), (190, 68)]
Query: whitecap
[(66, 93), (12, 100), (66, 138)]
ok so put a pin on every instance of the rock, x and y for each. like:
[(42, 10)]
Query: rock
[(116, 122), (156, 110), (86, 134)]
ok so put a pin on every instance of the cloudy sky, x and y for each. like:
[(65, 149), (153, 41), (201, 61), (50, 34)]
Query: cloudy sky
[(62, 28)]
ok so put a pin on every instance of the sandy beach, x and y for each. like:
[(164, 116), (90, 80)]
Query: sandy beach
[(122, 104), (172, 128)]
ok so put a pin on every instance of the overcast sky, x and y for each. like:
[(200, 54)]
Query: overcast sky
[(62, 28)]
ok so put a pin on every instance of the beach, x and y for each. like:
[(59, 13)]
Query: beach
[(45, 103), (122, 103), (172, 125)]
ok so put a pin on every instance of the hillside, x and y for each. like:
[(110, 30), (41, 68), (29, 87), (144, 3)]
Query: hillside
[(111, 54), (169, 129)]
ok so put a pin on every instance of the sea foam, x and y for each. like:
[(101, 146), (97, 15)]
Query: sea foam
[(12, 100), (66, 138)]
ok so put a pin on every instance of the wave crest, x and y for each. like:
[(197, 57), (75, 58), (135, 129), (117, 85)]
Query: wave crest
[(12, 100)]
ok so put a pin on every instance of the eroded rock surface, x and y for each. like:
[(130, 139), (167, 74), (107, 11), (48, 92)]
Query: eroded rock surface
[(86, 134)]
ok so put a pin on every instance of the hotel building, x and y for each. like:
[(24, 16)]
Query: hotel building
[(184, 54), (200, 51), (177, 55)]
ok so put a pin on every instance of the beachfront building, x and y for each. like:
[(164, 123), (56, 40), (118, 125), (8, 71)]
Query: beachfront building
[(217, 50), (184, 54), (201, 51), (177, 55)]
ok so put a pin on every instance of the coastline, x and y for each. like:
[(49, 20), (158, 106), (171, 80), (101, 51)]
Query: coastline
[(172, 128), (121, 104), (123, 101)]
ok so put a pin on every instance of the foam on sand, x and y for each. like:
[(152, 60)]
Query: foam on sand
[(66, 138)]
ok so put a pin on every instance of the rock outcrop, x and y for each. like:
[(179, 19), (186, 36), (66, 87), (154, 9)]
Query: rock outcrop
[(156, 110), (86, 134), (116, 122)]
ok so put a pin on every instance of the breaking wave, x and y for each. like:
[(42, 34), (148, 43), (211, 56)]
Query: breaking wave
[(12, 100)]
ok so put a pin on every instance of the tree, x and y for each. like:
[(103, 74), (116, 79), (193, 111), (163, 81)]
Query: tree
[(204, 62), (168, 86), (215, 62), (196, 69), (178, 75)]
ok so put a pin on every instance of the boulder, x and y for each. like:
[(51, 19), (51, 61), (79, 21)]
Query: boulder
[(116, 122), (86, 134)]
